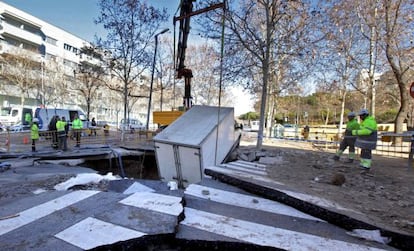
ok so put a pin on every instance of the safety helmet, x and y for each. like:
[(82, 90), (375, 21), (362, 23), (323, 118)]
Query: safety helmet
[(36, 120), (363, 112), (351, 115)]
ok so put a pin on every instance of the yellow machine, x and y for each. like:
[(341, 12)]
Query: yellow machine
[(166, 118)]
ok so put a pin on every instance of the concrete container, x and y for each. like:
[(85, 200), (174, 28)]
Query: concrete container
[(201, 137)]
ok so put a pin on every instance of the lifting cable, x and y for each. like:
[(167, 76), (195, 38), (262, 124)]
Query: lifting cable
[(221, 76), (174, 55)]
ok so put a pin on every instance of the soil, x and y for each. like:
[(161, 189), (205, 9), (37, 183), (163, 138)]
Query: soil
[(385, 194)]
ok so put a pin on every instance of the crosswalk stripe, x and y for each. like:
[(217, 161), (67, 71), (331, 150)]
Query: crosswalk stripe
[(90, 233), (42, 210), (137, 187), (247, 163), (246, 201), (155, 202), (242, 174), (263, 235), (245, 169)]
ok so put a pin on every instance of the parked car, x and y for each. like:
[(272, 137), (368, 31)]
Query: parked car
[(131, 124)]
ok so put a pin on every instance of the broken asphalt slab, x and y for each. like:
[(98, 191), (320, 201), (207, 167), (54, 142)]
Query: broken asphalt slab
[(252, 178), (87, 219), (145, 214)]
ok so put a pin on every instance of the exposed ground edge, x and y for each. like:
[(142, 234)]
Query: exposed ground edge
[(398, 240), (169, 242)]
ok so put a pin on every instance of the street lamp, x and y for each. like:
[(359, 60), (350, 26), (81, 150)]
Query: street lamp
[(152, 75), (42, 61)]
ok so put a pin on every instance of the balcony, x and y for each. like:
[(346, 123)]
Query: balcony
[(21, 34)]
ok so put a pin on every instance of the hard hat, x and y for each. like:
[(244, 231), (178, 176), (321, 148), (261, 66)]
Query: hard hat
[(35, 120), (351, 114), (363, 112)]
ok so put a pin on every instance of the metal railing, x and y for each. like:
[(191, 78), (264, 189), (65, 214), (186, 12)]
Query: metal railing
[(385, 145), (21, 141)]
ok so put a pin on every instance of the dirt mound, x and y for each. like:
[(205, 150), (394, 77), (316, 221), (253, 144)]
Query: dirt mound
[(385, 195)]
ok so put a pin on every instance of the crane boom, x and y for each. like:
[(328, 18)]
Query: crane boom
[(186, 12)]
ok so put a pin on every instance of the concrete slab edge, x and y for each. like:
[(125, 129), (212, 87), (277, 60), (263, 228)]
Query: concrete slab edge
[(398, 240)]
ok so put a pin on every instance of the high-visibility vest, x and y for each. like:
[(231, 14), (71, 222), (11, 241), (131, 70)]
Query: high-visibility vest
[(34, 131), (77, 124), (60, 126)]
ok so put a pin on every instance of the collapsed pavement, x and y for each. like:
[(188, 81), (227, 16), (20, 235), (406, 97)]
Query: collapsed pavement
[(126, 214)]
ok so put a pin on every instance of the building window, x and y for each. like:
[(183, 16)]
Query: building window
[(51, 40), (67, 47), (71, 48), (69, 63), (51, 57)]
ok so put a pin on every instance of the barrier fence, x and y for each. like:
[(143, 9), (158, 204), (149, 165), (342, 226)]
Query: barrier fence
[(21, 141), (386, 144)]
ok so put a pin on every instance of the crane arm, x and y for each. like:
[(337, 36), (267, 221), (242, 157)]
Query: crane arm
[(186, 12)]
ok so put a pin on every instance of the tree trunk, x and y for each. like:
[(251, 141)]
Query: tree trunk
[(263, 103), (372, 59)]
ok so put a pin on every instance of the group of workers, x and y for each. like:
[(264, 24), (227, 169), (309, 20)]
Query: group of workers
[(60, 129), (362, 135)]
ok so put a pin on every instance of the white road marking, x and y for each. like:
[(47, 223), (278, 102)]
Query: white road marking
[(42, 210), (155, 202), (246, 169), (263, 235), (247, 201), (91, 233), (137, 187), (243, 175), (305, 197), (247, 163)]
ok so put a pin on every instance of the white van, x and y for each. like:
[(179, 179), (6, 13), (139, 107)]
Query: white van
[(15, 115), (45, 115)]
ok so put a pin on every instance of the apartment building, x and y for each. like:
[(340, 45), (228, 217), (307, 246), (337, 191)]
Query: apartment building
[(55, 56)]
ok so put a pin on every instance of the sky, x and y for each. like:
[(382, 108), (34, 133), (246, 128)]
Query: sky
[(77, 17)]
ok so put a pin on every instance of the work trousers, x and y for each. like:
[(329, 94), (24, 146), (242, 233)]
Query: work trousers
[(78, 136), (348, 142), (366, 154), (62, 140)]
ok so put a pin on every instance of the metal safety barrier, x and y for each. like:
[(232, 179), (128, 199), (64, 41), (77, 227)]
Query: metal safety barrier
[(11, 141)]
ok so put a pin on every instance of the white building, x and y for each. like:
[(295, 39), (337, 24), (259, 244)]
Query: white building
[(58, 55)]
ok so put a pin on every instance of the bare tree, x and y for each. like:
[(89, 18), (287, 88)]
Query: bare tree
[(131, 25), (55, 84), (345, 45), (370, 23), (257, 32), (204, 62), (397, 35), (165, 74), (21, 71)]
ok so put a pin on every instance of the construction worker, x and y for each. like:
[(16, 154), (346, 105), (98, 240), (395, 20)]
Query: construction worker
[(61, 133), (367, 138), (77, 126), (34, 133), (27, 119), (349, 139), (52, 130)]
